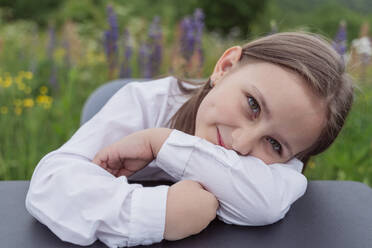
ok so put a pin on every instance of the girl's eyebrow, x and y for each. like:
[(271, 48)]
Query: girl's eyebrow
[(266, 110)]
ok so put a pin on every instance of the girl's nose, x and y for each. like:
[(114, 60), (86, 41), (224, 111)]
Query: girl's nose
[(244, 141)]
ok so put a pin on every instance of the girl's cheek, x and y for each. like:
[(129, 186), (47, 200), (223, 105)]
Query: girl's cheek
[(230, 111)]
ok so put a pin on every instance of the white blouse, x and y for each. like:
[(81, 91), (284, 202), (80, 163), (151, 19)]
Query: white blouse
[(81, 202)]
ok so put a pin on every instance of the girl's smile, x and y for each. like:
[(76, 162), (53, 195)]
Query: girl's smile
[(220, 140), (259, 109)]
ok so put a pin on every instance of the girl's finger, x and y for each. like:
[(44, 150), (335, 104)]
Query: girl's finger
[(97, 160), (101, 155), (124, 172), (114, 160), (114, 172), (115, 164)]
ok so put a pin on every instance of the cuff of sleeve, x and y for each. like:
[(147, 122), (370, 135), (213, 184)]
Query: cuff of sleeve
[(148, 215), (175, 153)]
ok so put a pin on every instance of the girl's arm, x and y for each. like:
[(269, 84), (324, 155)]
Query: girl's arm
[(249, 191), (79, 201), (190, 208)]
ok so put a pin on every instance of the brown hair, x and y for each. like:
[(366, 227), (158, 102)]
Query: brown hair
[(309, 55)]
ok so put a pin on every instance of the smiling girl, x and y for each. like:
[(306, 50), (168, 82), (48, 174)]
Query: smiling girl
[(235, 145)]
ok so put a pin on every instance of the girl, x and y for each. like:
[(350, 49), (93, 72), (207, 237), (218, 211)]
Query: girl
[(235, 146)]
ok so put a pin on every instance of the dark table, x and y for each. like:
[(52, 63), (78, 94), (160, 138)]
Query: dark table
[(330, 214)]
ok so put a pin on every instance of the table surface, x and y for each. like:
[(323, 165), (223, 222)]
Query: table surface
[(330, 214)]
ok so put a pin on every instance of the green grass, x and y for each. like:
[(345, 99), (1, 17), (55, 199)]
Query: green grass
[(350, 156), (27, 136), (28, 133)]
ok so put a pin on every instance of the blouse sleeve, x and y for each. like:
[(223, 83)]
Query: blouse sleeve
[(249, 191), (80, 202)]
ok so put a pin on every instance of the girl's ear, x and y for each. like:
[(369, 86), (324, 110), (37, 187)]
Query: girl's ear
[(227, 61)]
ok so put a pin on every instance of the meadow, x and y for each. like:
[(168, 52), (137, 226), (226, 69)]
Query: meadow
[(46, 76)]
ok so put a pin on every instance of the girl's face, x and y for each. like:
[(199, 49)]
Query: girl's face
[(259, 109)]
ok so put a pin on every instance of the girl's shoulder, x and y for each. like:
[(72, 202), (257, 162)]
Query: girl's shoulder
[(154, 87), (166, 87)]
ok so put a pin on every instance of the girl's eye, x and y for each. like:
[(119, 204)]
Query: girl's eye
[(253, 104), (275, 144)]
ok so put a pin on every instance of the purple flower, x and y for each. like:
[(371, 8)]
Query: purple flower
[(110, 40), (125, 70), (187, 38), (50, 51), (52, 41), (155, 42), (339, 43), (150, 52), (53, 77), (143, 60), (34, 42), (191, 36), (199, 26)]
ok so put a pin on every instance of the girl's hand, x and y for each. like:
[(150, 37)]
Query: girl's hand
[(128, 155), (190, 209)]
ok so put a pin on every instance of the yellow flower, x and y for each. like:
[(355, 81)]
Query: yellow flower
[(8, 82), (21, 86), (45, 101), (43, 90), (40, 99), (4, 110), (28, 103), (18, 110), (312, 164), (18, 79), (28, 75)]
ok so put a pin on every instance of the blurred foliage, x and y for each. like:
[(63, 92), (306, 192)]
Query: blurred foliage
[(245, 19), (223, 14), (359, 6), (81, 11), (226, 16), (320, 16), (38, 10), (350, 156)]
